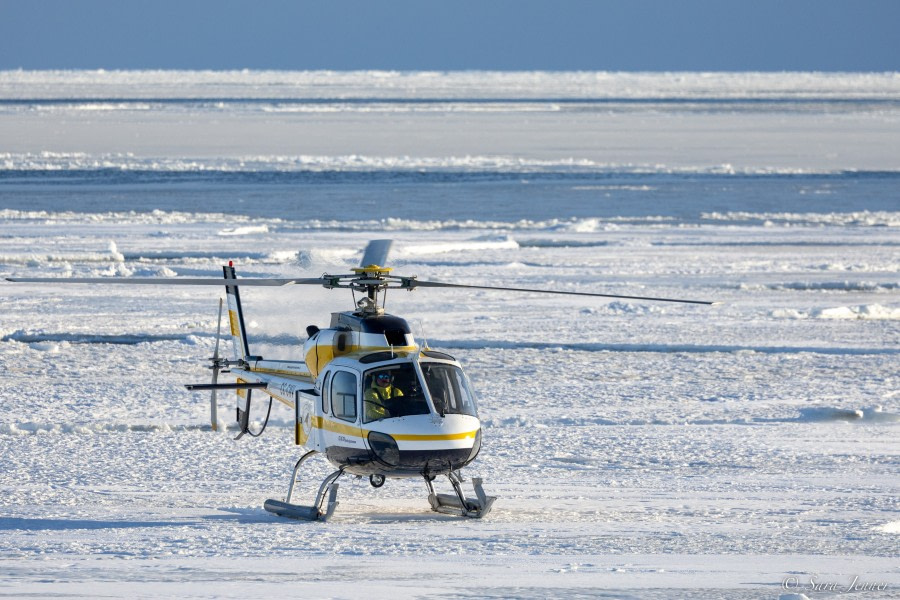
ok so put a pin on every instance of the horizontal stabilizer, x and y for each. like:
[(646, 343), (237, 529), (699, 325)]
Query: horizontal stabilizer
[(246, 385)]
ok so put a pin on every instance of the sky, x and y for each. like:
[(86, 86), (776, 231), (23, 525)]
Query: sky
[(611, 35)]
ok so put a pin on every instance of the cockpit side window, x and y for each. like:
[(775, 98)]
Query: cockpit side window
[(449, 389), (343, 395)]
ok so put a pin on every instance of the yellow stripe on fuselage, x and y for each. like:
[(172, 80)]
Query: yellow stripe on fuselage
[(280, 372), (300, 437), (329, 425), (412, 437), (243, 394), (322, 354), (280, 399), (332, 426)]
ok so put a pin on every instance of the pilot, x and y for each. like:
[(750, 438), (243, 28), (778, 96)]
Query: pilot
[(381, 390)]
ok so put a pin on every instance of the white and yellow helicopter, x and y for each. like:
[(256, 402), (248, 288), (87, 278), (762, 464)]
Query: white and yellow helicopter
[(366, 396)]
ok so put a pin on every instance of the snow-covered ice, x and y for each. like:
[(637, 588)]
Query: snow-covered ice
[(638, 449)]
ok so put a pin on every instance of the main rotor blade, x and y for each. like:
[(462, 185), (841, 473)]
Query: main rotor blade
[(414, 283), (376, 253), (262, 281), (327, 281)]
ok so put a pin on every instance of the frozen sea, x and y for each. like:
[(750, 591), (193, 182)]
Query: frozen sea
[(638, 449)]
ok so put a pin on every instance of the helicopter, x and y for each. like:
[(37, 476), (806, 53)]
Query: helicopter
[(366, 396)]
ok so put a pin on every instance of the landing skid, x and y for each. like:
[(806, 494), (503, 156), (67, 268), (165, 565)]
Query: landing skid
[(328, 489), (457, 503), (326, 498)]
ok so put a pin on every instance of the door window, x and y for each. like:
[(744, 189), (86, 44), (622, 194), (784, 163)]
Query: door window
[(343, 395)]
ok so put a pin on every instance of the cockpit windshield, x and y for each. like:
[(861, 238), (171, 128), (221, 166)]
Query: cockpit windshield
[(449, 389), (392, 391)]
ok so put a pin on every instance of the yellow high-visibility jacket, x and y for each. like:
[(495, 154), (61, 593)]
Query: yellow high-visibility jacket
[(374, 401)]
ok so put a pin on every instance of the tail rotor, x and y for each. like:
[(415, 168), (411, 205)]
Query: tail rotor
[(216, 367)]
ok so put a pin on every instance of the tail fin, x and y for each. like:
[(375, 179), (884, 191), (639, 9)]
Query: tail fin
[(241, 348), (236, 316)]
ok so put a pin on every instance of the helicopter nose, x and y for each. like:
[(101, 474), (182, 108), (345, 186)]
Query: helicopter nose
[(419, 452)]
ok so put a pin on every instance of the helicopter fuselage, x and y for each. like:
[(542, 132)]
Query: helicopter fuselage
[(424, 422)]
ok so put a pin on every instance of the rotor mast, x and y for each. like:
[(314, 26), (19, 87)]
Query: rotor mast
[(371, 279)]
